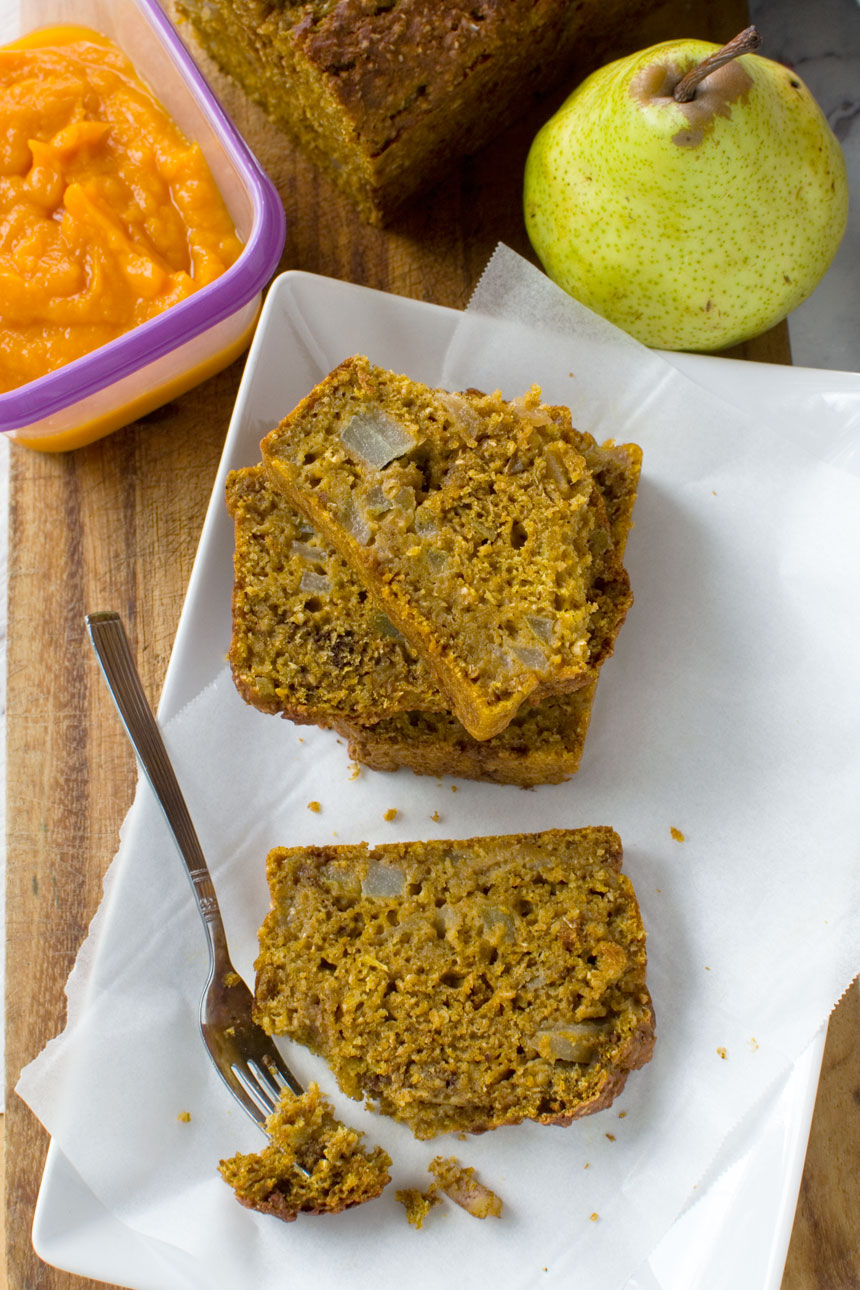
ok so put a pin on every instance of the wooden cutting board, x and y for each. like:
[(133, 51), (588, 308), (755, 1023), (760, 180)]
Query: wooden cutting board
[(116, 526)]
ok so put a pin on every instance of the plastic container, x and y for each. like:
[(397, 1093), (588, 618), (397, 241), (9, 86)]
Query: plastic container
[(169, 354)]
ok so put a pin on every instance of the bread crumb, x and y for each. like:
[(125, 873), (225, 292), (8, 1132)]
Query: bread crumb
[(417, 1203), (354, 770), (611, 1137), (184, 1117), (722, 1052), (454, 788), (436, 817), (461, 1185), (314, 806), (677, 834), (621, 1114), (390, 814), (592, 1218), (754, 1044), (283, 1179)]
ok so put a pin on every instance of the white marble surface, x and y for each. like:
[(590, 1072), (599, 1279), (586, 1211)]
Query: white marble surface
[(821, 40)]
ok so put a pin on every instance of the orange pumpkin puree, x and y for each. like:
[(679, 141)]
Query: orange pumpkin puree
[(108, 215)]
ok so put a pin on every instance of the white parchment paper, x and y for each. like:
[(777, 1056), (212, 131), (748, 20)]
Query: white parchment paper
[(729, 713)]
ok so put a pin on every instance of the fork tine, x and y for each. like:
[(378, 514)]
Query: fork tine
[(258, 1084), (280, 1073), (263, 1091), (244, 1055), (265, 1080), (232, 1078)]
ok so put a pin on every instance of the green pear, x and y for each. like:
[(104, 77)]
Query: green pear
[(691, 194)]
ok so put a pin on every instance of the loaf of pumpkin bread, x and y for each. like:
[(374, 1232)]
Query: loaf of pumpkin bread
[(386, 95), (461, 986)]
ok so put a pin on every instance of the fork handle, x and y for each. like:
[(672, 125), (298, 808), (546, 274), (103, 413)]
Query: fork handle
[(117, 663)]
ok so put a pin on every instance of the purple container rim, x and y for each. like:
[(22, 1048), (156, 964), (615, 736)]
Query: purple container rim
[(201, 311)]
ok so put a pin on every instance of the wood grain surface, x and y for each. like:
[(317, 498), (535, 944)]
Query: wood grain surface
[(116, 526)]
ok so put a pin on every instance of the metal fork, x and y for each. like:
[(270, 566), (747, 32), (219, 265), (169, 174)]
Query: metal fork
[(244, 1055)]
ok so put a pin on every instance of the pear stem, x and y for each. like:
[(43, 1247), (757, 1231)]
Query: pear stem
[(744, 43)]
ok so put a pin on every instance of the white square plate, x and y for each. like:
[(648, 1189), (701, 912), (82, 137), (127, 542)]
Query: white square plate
[(738, 1232)]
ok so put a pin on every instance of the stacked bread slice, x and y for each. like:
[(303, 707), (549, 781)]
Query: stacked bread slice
[(437, 576)]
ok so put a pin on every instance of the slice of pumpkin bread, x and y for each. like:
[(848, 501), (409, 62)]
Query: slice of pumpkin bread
[(477, 529), (544, 742), (307, 641), (461, 985), (313, 1164)]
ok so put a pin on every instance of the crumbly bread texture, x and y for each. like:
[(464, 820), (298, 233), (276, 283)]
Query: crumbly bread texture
[(417, 1203), (475, 524), (307, 641), (385, 97), (313, 1163), (544, 743), (462, 985)]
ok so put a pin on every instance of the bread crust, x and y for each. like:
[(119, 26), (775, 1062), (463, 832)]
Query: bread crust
[(386, 97)]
